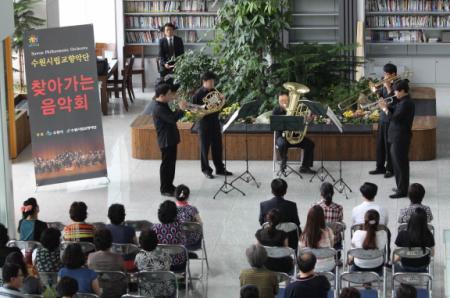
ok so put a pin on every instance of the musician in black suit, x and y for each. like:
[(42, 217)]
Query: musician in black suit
[(165, 121), (170, 47), (283, 145), (399, 135), (209, 131), (384, 161)]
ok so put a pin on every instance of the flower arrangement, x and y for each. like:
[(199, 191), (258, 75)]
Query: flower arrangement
[(360, 117)]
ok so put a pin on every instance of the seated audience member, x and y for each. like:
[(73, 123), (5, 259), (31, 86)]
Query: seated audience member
[(169, 232), (288, 209), (12, 281), (104, 259), (406, 291), (4, 250), (350, 293), (308, 283), (30, 227), (368, 191), (67, 287), (31, 283), (151, 259), (333, 212), (265, 280), (416, 193), (188, 213), (369, 238), (121, 234), (416, 235), (48, 257), (249, 291), (270, 236), (79, 230), (74, 266)]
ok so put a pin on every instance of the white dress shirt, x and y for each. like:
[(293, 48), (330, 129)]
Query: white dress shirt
[(359, 211)]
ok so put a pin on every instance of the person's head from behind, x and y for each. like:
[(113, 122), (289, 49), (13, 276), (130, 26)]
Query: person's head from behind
[(209, 80), (249, 291), (164, 92), (67, 287), (50, 239), (182, 193), (116, 214), (169, 29), (30, 208), (12, 275), (369, 190), (418, 227), (273, 217), (315, 223), (327, 192), (17, 258), (371, 222), (279, 187), (389, 70), (4, 238), (406, 291), (167, 212), (148, 240), (350, 292), (306, 262), (401, 88), (78, 211), (73, 257), (256, 255), (103, 239), (283, 99), (416, 192)]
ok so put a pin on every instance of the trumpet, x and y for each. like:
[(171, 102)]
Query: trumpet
[(373, 105)]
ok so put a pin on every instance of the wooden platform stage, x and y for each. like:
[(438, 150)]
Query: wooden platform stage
[(357, 144)]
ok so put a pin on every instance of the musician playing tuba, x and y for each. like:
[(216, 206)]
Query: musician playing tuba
[(283, 144), (209, 129)]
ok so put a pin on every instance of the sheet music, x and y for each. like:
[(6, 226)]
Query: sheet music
[(231, 120), (335, 119)]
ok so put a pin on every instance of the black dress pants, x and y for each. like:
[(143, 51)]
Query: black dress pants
[(400, 163), (211, 137), (167, 168), (306, 144), (383, 148)]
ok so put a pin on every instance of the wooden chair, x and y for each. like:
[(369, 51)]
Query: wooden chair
[(100, 49), (123, 84), (137, 51)]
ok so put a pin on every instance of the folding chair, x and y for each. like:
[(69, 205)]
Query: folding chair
[(404, 227), (278, 252), (333, 292), (327, 255), (113, 283), (361, 227), (412, 253), (32, 296), (133, 296), (85, 295), (49, 279), (26, 246), (283, 281), (174, 250), (139, 225), (339, 228), (289, 164), (291, 229), (423, 282), (195, 227), (57, 225), (128, 252), (98, 225), (149, 284), (86, 247), (359, 279)]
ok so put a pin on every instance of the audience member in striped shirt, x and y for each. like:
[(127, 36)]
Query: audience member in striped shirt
[(79, 230)]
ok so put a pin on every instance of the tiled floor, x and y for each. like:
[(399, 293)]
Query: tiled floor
[(230, 220)]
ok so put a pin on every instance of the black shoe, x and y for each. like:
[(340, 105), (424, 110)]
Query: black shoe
[(394, 189), (168, 193), (388, 174), (377, 172), (398, 196), (305, 170), (224, 173), (208, 175)]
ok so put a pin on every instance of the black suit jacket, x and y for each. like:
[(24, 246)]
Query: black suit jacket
[(165, 121), (401, 118), (164, 51), (288, 210)]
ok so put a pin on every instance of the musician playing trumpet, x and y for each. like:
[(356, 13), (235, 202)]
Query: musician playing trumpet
[(209, 130), (384, 160)]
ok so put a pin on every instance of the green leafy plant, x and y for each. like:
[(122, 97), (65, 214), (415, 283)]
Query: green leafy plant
[(24, 20)]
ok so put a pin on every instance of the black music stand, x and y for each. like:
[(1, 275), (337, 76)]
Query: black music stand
[(226, 186), (290, 123), (318, 109), (249, 109)]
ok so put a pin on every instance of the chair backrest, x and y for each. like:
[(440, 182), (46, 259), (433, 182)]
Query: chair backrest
[(101, 48), (32, 296), (277, 252), (361, 227), (404, 227), (49, 279), (325, 253), (98, 225), (359, 278), (85, 295), (125, 249), (127, 72), (365, 254), (191, 227), (139, 225), (412, 253), (24, 245), (291, 229), (175, 250), (138, 51), (338, 227), (112, 283), (133, 296), (56, 224), (149, 284), (421, 281), (86, 247)]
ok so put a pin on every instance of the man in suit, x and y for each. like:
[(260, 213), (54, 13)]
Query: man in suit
[(165, 121), (170, 47), (288, 209), (399, 135), (384, 161), (209, 131)]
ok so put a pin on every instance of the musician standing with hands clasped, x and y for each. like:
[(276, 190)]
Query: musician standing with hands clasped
[(383, 146), (399, 135), (165, 121), (209, 131)]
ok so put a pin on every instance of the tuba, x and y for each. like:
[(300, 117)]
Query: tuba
[(296, 108)]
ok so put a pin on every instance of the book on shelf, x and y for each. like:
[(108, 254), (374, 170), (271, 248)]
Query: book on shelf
[(397, 37), (180, 22), (407, 5), (154, 36), (430, 21), (165, 6)]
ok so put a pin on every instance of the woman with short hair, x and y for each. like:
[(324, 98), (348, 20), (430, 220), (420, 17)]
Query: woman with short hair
[(79, 230), (48, 257), (121, 233), (104, 259)]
